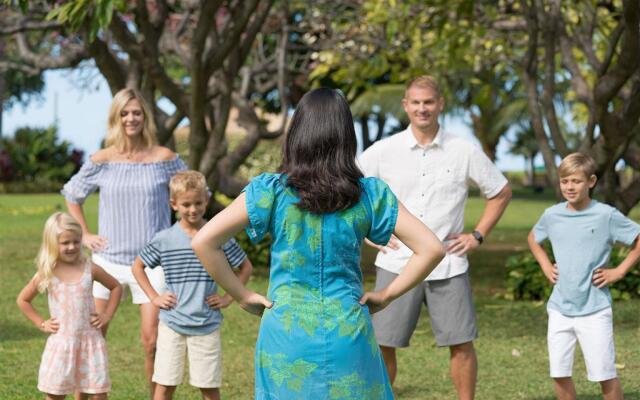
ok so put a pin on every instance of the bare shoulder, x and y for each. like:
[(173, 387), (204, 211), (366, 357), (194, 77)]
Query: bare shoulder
[(103, 155), (161, 153)]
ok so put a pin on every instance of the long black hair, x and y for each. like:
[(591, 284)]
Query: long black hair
[(320, 151)]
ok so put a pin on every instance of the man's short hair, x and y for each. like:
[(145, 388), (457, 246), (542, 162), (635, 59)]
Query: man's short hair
[(577, 162), (185, 181), (424, 81)]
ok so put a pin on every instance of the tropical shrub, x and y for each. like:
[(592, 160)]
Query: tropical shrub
[(526, 281), (35, 160)]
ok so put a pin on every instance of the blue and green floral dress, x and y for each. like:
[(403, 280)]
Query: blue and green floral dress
[(317, 341)]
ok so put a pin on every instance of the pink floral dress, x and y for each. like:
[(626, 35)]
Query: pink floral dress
[(75, 357)]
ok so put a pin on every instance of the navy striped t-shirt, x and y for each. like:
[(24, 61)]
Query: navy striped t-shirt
[(187, 279)]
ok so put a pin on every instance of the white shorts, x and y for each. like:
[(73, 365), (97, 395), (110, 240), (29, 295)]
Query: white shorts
[(204, 353), (594, 333), (124, 275)]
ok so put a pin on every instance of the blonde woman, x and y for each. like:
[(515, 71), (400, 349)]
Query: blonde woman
[(132, 174)]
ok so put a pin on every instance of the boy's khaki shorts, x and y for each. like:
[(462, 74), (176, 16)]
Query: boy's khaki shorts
[(204, 353)]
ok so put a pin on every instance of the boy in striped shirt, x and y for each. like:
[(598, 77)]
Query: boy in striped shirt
[(190, 314)]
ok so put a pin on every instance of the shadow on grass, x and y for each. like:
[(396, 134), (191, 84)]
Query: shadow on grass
[(17, 332), (627, 396), (417, 391)]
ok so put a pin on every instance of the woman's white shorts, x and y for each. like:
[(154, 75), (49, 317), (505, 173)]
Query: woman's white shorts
[(124, 275)]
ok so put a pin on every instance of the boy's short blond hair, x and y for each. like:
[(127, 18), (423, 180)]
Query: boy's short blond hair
[(185, 181), (577, 162), (424, 81)]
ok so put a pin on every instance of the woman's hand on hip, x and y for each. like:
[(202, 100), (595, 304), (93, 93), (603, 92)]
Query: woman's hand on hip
[(255, 303), (376, 301), (94, 242)]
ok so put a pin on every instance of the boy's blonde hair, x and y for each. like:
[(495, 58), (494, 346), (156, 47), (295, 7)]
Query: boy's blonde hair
[(185, 181), (115, 132), (424, 81), (48, 255), (577, 162)]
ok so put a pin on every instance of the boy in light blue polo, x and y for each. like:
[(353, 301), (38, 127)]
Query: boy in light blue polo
[(190, 314), (582, 232)]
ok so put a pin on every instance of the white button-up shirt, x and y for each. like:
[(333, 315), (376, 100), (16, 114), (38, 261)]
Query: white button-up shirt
[(432, 182)]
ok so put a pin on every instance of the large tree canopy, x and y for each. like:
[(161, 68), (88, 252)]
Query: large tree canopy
[(569, 71), (383, 42), (204, 57), (586, 56)]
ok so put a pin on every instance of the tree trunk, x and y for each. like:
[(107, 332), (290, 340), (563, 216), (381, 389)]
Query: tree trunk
[(364, 125), (381, 119), (532, 170), (2, 83)]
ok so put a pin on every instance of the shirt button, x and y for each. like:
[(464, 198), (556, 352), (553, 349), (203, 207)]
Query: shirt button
[(422, 194), (423, 174), (420, 215)]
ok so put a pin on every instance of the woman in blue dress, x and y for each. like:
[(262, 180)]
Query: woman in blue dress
[(316, 339)]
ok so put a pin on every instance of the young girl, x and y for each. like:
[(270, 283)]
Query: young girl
[(316, 339), (75, 357)]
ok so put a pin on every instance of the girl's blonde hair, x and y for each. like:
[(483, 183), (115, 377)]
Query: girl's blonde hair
[(48, 254), (115, 133)]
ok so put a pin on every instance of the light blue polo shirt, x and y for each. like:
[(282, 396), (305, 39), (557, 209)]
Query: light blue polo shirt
[(581, 242)]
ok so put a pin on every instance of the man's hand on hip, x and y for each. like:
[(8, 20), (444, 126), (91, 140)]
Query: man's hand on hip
[(394, 244), (461, 243)]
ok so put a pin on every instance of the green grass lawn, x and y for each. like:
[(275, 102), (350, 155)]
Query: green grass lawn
[(511, 348)]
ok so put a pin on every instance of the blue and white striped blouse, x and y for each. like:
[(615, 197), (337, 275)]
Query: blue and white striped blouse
[(134, 202)]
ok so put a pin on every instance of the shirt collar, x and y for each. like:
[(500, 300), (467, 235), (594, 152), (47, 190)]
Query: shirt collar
[(411, 142)]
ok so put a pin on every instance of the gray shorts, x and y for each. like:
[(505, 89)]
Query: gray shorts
[(453, 316)]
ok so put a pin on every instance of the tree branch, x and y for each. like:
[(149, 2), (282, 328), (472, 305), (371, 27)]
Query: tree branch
[(108, 65), (151, 65), (548, 94), (585, 36), (629, 197), (578, 81), (231, 33), (198, 135), (27, 69), (25, 25), (611, 50), (71, 57), (530, 79), (611, 82)]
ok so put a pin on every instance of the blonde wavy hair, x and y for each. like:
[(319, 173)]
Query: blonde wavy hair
[(185, 181), (48, 254), (115, 133)]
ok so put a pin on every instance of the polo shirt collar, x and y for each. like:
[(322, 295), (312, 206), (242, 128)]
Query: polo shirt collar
[(410, 141)]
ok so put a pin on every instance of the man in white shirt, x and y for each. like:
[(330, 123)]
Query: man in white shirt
[(429, 170)]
